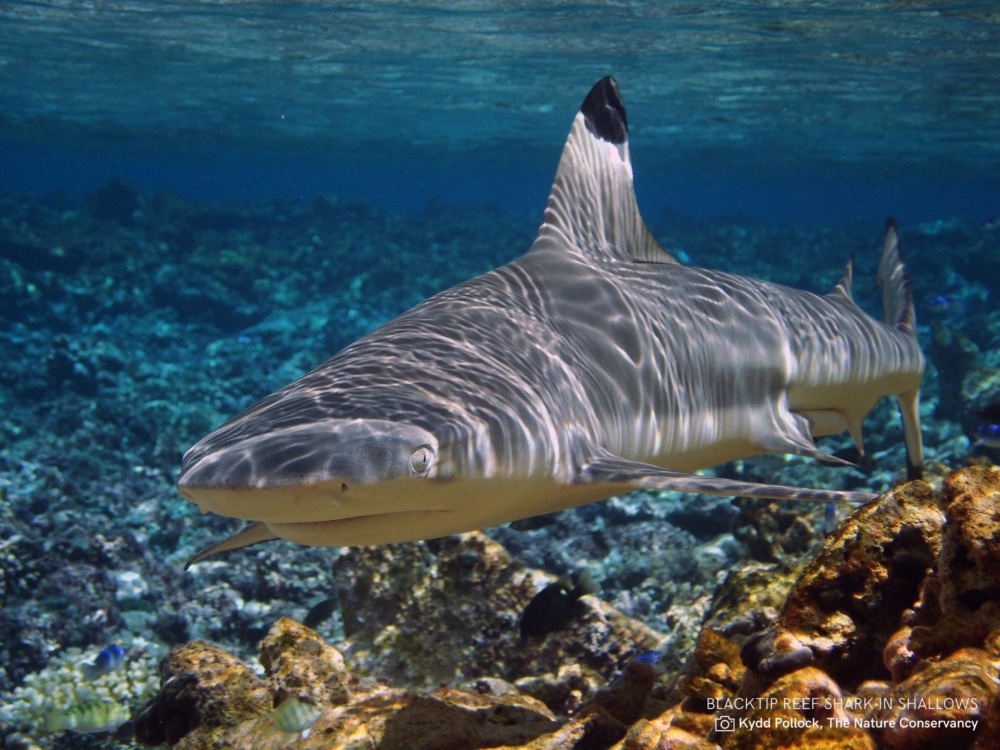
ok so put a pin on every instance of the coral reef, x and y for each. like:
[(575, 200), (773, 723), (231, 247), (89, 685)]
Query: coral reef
[(888, 640), (65, 684), (209, 699), (475, 594), (865, 631), (133, 323)]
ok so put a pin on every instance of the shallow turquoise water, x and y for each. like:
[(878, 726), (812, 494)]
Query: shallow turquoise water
[(818, 110)]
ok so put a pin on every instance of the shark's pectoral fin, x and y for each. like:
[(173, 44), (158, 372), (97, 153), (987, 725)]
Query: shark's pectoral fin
[(610, 469), (253, 533), (794, 435)]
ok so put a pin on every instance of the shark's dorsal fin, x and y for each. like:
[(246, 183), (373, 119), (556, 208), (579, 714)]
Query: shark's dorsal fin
[(591, 207), (842, 289)]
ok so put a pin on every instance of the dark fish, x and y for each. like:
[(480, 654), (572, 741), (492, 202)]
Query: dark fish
[(829, 519), (110, 658), (990, 413), (319, 613), (553, 607), (852, 455)]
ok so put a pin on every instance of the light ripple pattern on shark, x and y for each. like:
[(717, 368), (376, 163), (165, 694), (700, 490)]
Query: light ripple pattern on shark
[(591, 365)]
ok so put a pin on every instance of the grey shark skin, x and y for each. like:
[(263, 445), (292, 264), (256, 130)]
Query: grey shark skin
[(592, 365)]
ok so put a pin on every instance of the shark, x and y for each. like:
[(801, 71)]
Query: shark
[(592, 365)]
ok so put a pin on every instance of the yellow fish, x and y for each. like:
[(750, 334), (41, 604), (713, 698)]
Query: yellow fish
[(89, 717), (295, 716)]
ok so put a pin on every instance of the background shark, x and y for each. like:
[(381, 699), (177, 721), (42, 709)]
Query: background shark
[(593, 364)]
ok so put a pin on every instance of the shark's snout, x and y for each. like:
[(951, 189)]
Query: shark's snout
[(303, 472)]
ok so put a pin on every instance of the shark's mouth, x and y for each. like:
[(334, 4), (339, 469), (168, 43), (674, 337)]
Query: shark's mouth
[(319, 502), (378, 528)]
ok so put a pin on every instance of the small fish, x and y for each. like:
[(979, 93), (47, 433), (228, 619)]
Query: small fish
[(940, 303), (648, 657), (552, 607), (990, 413), (319, 613), (110, 658), (989, 435), (89, 717), (296, 716), (829, 519)]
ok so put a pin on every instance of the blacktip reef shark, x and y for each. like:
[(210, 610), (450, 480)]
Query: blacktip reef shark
[(592, 365)]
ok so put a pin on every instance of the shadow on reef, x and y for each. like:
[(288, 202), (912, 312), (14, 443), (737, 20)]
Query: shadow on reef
[(890, 638)]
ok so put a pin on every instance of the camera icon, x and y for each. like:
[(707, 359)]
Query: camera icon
[(725, 724)]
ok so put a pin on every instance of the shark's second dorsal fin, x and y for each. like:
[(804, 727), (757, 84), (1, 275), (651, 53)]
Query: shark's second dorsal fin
[(842, 290), (591, 208)]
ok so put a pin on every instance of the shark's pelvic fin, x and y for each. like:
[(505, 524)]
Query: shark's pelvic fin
[(592, 207), (253, 533), (616, 470), (909, 410), (795, 436)]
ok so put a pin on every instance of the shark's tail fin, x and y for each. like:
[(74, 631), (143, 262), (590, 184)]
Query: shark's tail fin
[(897, 296), (897, 309)]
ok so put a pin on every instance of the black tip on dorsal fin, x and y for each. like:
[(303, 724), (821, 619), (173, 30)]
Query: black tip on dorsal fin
[(591, 207), (604, 112)]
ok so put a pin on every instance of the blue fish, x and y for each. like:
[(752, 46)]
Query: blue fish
[(940, 303), (110, 658), (989, 435), (648, 657), (829, 519)]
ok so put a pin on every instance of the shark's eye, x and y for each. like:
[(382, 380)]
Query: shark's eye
[(420, 461)]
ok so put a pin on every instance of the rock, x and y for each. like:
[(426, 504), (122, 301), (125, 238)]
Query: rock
[(900, 607), (206, 696), (960, 604), (850, 599), (750, 597), (474, 593), (652, 735), (799, 710), (208, 699), (394, 719), (300, 663), (593, 729), (945, 705), (626, 697)]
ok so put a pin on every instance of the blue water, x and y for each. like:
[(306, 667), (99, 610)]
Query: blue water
[(819, 112), (132, 324)]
